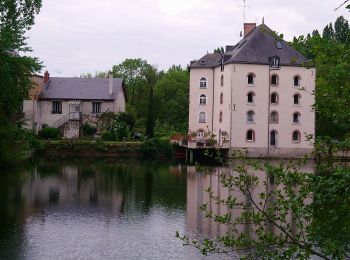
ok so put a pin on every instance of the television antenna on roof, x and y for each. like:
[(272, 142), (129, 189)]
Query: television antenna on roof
[(244, 7)]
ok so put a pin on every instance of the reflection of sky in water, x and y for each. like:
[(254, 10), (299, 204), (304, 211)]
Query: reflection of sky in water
[(126, 210)]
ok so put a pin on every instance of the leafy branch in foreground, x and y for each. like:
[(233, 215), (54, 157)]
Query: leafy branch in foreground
[(278, 212)]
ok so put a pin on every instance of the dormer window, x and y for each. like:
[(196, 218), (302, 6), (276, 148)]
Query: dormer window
[(203, 62), (222, 63), (279, 45), (275, 62)]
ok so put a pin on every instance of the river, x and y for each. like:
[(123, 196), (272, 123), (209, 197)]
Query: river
[(101, 210)]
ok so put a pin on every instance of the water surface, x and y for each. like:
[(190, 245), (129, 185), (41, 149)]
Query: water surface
[(101, 210)]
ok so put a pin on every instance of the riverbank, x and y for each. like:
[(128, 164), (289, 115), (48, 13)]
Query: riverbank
[(99, 148)]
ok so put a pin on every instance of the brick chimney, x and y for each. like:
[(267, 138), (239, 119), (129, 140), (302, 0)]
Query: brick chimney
[(248, 27), (46, 77)]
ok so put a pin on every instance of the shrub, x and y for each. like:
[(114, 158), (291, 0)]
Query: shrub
[(88, 130), (155, 147), (109, 136), (50, 133)]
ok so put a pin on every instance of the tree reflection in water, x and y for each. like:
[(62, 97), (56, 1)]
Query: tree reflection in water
[(271, 209)]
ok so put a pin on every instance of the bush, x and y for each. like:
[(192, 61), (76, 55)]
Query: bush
[(50, 133), (108, 136), (88, 130), (156, 147)]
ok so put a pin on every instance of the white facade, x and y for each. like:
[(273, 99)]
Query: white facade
[(227, 108)]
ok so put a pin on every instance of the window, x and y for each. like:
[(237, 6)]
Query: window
[(200, 133), (203, 83), (274, 80), (250, 97), (274, 117), (202, 117), (296, 136), (274, 98), (203, 99), (250, 137), (296, 99), (279, 45), (221, 98), (250, 116), (274, 62), (273, 138), (251, 79), (297, 81), (220, 117), (222, 80), (56, 107), (96, 107), (296, 117)]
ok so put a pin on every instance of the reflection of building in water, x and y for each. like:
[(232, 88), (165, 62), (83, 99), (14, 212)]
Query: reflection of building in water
[(69, 186), (198, 182)]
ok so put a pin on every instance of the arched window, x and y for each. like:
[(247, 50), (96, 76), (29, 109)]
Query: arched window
[(203, 83), (274, 117), (273, 138), (251, 79), (274, 98), (296, 117), (222, 80), (200, 133), (202, 117), (221, 98), (296, 99), (297, 80), (250, 97), (274, 80), (296, 136), (250, 137), (202, 99), (220, 117), (250, 116)]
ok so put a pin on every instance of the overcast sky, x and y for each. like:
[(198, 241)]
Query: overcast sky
[(80, 36)]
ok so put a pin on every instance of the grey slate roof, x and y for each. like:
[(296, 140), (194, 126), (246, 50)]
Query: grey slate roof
[(256, 48), (80, 89)]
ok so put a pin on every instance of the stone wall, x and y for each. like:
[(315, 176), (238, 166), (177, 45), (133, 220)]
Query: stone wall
[(71, 129)]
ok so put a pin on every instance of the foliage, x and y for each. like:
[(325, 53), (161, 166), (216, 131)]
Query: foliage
[(155, 147), (108, 136), (219, 50), (16, 17), (139, 78), (88, 130), (331, 55), (50, 133), (286, 214), (172, 99), (116, 126)]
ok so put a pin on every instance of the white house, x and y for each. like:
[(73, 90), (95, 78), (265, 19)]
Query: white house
[(66, 103), (257, 95)]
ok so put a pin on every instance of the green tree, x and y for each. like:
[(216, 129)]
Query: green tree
[(172, 99), (16, 17), (140, 78), (331, 56), (219, 50)]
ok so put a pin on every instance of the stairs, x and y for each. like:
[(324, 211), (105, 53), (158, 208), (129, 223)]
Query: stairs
[(71, 116)]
